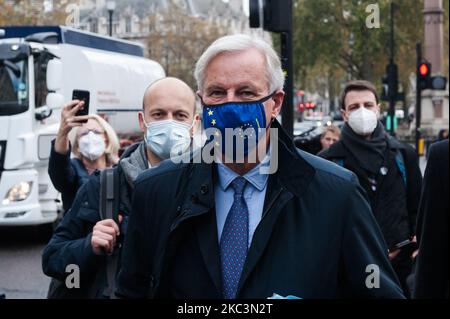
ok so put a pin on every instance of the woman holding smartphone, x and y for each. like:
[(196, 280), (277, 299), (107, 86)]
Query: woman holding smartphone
[(93, 145)]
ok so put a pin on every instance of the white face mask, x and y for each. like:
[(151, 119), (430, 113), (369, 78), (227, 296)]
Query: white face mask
[(92, 145), (363, 121), (168, 137)]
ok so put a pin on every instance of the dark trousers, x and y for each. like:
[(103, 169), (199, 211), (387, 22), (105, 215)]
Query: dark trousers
[(402, 265)]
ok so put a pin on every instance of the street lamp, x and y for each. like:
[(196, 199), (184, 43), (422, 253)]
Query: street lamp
[(110, 6)]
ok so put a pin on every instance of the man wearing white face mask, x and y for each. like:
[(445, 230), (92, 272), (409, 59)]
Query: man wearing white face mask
[(166, 122), (386, 168)]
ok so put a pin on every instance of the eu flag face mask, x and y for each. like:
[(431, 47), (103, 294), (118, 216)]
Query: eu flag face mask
[(246, 119)]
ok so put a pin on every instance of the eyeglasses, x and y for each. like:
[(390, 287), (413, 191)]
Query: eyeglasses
[(83, 132)]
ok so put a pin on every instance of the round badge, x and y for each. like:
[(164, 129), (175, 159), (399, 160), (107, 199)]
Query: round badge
[(383, 170)]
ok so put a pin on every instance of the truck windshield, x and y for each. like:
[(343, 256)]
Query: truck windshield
[(13, 86)]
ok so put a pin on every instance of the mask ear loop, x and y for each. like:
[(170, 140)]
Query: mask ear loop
[(146, 126), (191, 128), (143, 120), (263, 100), (267, 98)]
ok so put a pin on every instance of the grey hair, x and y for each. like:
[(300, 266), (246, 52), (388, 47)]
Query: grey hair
[(242, 42)]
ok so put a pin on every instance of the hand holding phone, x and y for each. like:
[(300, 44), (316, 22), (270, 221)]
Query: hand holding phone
[(410, 248), (82, 96), (407, 246), (68, 122)]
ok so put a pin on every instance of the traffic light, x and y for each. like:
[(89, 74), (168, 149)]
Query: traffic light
[(438, 82), (256, 14), (426, 81), (385, 91), (424, 75), (276, 16), (272, 15), (300, 100), (390, 83), (392, 79)]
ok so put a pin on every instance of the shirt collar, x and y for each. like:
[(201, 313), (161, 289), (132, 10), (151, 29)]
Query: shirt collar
[(254, 177)]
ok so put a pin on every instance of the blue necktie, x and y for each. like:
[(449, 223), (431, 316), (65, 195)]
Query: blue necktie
[(234, 241)]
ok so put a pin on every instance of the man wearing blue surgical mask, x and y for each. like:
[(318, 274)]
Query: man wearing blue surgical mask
[(168, 119), (82, 238), (248, 218)]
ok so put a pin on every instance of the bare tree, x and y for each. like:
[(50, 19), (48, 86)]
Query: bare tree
[(32, 12), (177, 40)]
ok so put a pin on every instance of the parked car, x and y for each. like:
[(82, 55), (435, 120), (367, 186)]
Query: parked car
[(307, 136)]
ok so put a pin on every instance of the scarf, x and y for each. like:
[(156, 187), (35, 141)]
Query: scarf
[(135, 164), (369, 154)]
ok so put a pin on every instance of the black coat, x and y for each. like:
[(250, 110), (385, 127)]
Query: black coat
[(394, 203), (67, 175), (71, 242), (316, 237), (431, 278)]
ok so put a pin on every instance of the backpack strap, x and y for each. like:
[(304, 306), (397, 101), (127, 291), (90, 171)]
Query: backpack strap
[(109, 209), (109, 191), (399, 160)]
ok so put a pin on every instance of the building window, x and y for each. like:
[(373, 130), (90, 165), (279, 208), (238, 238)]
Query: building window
[(128, 25), (438, 108), (94, 25)]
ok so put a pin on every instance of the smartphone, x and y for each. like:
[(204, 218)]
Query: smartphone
[(407, 245), (82, 96)]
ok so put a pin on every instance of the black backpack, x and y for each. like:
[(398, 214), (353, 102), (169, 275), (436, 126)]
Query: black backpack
[(109, 209)]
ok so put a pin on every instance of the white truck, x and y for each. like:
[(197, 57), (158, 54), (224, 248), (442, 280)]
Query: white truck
[(39, 69)]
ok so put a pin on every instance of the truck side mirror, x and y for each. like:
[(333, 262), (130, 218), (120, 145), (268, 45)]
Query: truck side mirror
[(54, 100), (54, 75), (42, 113)]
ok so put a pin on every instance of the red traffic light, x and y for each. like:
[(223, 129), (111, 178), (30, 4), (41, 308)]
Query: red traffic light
[(424, 69), (424, 76)]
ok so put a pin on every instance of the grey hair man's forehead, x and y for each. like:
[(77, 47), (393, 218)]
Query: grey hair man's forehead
[(242, 42)]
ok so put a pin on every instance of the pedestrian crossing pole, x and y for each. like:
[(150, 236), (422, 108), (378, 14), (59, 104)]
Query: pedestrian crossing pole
[(392, 72), (419, 140), (276, 16), (287, 110)]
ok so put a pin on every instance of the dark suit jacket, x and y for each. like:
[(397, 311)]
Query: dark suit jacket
[(316, 238), (431, 278), (394, 207)]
